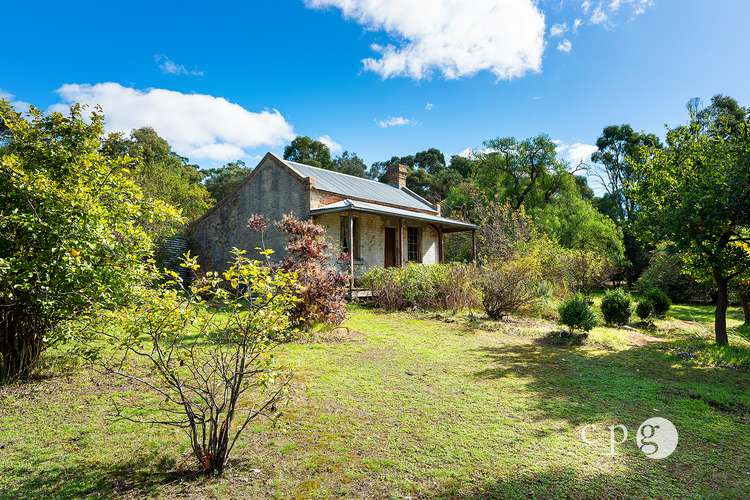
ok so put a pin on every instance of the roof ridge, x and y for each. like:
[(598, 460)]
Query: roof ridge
[(339, 173), (331, 180)]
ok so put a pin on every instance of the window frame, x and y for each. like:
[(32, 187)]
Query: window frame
[(344, 236), (417, 232)]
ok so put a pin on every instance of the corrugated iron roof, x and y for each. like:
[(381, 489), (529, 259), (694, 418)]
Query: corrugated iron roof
[(361, 206), (357, 187)]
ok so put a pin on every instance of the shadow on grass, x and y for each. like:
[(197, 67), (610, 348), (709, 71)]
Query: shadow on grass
[(701, 313), (139, 477), (558, 482), (584, 385)]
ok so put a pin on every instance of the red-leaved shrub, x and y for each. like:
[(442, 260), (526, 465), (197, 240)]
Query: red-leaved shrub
[(323, 288)]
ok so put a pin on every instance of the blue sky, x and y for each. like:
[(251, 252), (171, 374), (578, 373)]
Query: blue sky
[(224, 80)]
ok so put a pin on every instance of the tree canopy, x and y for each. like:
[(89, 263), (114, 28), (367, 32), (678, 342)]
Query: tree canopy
[(223, 180), (161, 173), (306, 150), (695, 194)]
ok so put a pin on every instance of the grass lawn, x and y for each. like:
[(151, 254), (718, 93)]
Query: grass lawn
[(413, 405)]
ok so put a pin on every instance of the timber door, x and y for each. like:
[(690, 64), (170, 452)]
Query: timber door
[(389, 259)]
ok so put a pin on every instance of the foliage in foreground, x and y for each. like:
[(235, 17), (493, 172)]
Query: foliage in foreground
[(428, 287), (575, 313), (74, 230), (213, 374), (616, 307)]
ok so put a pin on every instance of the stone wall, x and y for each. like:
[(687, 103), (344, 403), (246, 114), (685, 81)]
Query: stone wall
[(273, 191)]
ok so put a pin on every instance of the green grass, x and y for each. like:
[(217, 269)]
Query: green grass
[(414, 406)]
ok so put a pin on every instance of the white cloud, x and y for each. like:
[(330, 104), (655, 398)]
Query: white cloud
[(565, 46), (577, 24), (599, 16), (467, 153), (333, 146), (429, 106), (198, 126), (168, 66), (575, 153), (456, 38), (19, 106), (640, 6), (394, 121), (558, 29), (614, 5), (585, 6)]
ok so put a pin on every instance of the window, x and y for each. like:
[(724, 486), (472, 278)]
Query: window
[(344, 235), (412, 245)]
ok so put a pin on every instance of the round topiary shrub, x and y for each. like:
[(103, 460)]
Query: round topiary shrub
[(576, 314), (616, 307), (659, 300), (644, 310)]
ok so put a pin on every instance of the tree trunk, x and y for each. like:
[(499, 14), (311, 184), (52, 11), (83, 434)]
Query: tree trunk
[(745, 302), (21, 342), (722, 303)]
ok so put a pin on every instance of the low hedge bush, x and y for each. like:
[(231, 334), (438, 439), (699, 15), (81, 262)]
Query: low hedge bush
[(576, 314), (430, 287), (644, 310), (659, 300), (616, 307)]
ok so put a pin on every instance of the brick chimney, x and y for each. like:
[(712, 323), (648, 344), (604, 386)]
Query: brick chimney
[(395, 175)]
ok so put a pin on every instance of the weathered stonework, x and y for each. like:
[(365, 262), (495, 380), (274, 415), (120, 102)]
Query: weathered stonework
[(272, 191)]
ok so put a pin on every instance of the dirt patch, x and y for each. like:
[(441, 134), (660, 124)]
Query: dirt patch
[(332, 336), (641, 339)]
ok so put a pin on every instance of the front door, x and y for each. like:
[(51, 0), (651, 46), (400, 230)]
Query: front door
[(390, 247)]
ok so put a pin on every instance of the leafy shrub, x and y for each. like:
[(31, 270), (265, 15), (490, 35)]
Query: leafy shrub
[(616, 307), (659, 300), (458, 290), (507, 287), (437, 286), (644, 309), (75, 230), (576, 314), (569, 270)]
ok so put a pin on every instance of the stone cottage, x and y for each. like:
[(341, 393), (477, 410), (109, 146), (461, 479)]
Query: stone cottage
[(375, 223)]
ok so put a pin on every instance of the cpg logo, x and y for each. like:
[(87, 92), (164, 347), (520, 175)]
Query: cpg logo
[(656, 437)]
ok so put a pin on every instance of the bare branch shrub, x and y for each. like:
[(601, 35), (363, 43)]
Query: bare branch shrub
[(507, 287), (501, 230), (586, 271), (209, 352)]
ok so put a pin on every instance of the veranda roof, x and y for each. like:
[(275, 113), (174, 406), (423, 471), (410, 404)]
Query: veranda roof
[(448, 225)]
